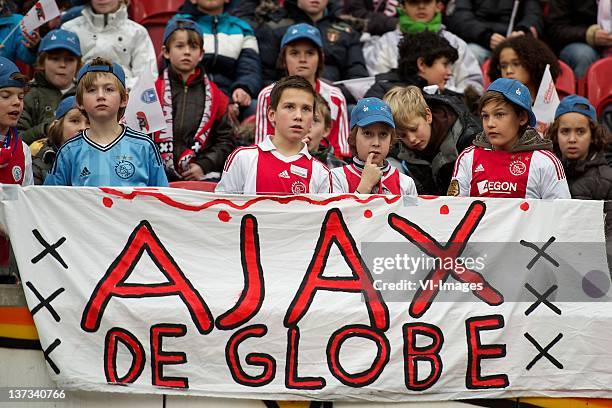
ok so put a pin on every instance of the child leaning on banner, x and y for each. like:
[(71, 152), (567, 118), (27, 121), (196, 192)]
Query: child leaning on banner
[(301, 53), (371, 137), (106, 154), (198, 137), (509, 159), (59, 59), (281, 164), (433, 130), (69, 121), (15, 157), (316, 139)]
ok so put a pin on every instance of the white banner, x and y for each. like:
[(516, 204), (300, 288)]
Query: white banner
[(144, 112), (377, 298), (39, 14)]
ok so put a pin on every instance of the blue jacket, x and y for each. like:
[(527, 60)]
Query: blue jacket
[(231, 54), (13, 49)]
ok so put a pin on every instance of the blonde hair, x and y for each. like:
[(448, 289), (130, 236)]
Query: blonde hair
[(90, 78), (406, 104)]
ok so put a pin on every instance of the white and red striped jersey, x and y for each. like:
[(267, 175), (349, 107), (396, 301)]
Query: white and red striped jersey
[(484, 172), (261, 169), (346, 180), (338, 135)]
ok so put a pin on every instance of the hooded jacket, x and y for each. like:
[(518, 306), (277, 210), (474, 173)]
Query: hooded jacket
[(231, 53)]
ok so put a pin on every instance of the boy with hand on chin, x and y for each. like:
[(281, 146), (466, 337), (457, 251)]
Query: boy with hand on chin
[(281, 164), (106, 154)]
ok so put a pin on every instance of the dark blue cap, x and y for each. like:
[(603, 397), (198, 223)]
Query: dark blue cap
[(369, 111), (302, 31), (181, 24), (515, 92), (7, 70), (60, 40), (65, 106), (578, 104), (116, 70)]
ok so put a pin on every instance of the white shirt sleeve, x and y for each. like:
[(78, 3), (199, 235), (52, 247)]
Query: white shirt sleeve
[(549, 176), (339, 182), (407, 185), (28, 177), (320, 181), (463, 171)]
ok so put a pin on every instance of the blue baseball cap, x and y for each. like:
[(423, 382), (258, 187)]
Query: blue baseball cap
[(65, 106), (369, 111), (7, 70), (60, 40), (302, 31), (578, 104), (515, 92), (181, 24), (116, 70)]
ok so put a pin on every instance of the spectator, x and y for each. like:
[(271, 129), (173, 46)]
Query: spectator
[(198, 137), (302, 54), (523, 58), (574, 33), (69, 120), (20, 45), (381, 53), (318, 145), (372, 135), (281, 164), (59, 59), (483, 24), (105, 30), (509, 159), (231, 53), (376, 16), (433, 130), (106, 154)]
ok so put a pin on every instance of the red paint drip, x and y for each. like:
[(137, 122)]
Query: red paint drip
[(367, 214), (223, 201), (108, 203), (444, 209), (525, 206), (224, 216)]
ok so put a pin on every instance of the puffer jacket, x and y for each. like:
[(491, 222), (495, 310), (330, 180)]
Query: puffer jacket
[(13, 49), (39, 107), (115, 37)]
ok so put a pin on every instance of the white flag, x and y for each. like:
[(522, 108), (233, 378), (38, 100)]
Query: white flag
[(43, 11), (546, 102), (144, 112)]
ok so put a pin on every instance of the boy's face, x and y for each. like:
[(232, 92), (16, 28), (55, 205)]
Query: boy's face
[(183, 56), (60, 68), (417, 133), (292, 118), (103, 100), (210, 6), (11, 106), (511, 67), (302, 58), (375, 139), (501, 124), (574, 136), (105, 6), (317, 132), (421, 11), (438, 73), (74, 122)]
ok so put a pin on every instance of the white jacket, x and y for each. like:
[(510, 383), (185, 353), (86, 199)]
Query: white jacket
[(115, 37), (381, 55)]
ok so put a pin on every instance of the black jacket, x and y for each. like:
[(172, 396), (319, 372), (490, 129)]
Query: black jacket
[(568, 21), (475, 21)]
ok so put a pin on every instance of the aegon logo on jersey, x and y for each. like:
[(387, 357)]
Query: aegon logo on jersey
[(496, 187)]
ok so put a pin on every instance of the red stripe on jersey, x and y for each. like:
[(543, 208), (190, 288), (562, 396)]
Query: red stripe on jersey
[(556, 162), (466, 150), (230, 158)]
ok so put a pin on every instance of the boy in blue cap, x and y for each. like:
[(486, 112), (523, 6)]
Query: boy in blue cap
[(509, 158), (15, 157), (106, 154), (371, 137), (59, 58)]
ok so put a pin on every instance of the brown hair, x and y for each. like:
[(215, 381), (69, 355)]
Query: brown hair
[(290, 82), (281, 64), (600, 136), (498, 98), (323, 109), (88, 80), (352, 139)]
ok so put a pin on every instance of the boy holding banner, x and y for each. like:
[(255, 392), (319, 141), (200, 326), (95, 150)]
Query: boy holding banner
[(106, 154), (281, 164)]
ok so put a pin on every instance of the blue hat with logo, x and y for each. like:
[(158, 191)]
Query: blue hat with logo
[(578, 104), (515, 92), (65, 106), (302, 31), (181, 24), (116, 70), (369, 111), (60, 40), (7, 70)]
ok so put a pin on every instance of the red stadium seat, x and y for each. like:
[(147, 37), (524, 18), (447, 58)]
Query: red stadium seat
[(142, 10), (598, 82), (194, 185)]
